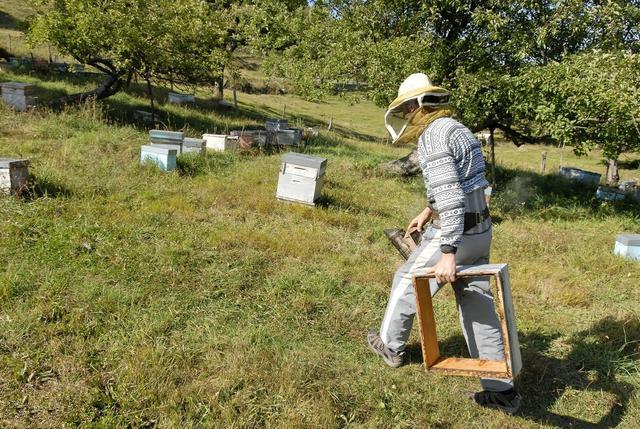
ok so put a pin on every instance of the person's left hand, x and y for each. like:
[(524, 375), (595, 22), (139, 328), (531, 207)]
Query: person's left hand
[(445, 269)]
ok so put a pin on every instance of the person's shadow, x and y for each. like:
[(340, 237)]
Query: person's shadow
[(594, 359)]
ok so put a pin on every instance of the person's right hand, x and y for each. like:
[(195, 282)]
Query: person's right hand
[(419, 221)]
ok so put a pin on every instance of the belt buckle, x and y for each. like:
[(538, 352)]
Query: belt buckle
[(478, 218)]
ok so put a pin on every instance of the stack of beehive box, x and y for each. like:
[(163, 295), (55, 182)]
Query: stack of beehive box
[(165, 146), (18, 95), (301, 178), (14, 174)]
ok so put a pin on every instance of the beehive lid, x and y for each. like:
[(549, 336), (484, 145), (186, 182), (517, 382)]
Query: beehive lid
[(628, 239), (166, 135), (161, 149), (18, 85), (304, 160), (7, 163)]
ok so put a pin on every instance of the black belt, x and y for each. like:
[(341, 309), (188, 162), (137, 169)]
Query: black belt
[(471, 219)]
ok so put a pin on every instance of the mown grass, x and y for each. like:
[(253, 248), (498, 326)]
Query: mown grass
[(134, 298)]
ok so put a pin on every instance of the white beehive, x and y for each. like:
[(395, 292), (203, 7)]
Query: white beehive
[(18, 95), (220, 142), (628, 245), (177, 98), (163, 157), (14, 174), (301, 178)]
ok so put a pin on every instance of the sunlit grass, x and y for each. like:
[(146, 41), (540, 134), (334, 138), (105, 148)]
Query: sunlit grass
[(132, 297)]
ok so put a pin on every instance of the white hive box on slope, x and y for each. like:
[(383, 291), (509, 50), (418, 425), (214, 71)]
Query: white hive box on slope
[(628, 245), (164, 156), (18, 95), (14, 174), (177, 98), (301, 178), (220, 142)]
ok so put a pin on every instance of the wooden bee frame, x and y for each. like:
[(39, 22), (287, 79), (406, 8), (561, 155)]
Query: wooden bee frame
[(504, 369)]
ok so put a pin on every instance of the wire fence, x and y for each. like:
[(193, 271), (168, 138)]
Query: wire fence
[(16, 44)]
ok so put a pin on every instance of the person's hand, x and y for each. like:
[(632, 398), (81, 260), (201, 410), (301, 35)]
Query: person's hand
[(445, 269), (419, 221)]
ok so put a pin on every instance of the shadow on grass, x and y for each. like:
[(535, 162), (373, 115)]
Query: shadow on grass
[(42, 187), (598, 355), (632, 164), (9, 22), (550, 196)]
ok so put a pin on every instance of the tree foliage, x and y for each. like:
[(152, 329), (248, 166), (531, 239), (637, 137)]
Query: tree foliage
[(585, 100), (491, 54), (182, 41)]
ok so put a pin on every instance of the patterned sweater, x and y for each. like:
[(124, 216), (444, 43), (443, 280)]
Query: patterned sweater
[(452, 165)]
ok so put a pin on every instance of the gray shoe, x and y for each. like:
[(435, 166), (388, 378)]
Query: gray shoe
[(391, 358), (508, 402)]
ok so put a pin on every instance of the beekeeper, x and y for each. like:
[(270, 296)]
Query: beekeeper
[(460, 233)]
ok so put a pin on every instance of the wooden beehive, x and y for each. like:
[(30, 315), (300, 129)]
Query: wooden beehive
[(301, 178), (163, 157), (14, 175), (18, 95), (253, 138), (506, 369), (628, 245)]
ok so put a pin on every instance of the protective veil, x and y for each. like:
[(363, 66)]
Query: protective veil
[(432, 101)]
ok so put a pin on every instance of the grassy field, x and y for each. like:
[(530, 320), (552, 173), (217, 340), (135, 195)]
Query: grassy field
[(134, 298)]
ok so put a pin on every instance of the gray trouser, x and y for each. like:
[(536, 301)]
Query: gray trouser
[(480, 324)]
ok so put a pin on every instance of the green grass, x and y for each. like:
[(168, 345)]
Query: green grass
[(134, 298)]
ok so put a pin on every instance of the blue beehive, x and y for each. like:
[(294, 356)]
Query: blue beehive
[(163, 157), (609, 194), (580, 175), (628, 245)]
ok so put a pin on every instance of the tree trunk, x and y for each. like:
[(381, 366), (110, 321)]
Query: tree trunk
[(235, 100), (218, 89), (543, 162), (612, 172), (106, 89), (492, 145), (150, 92)]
